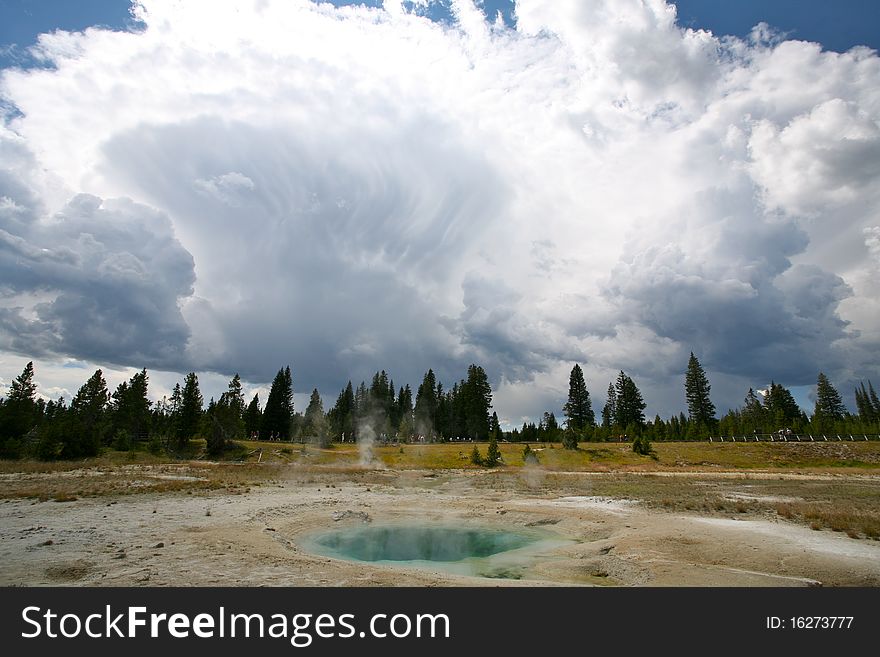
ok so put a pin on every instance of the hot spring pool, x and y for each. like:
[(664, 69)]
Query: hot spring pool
[(467, 551)]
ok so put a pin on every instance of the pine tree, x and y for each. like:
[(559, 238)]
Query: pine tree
[(20, 410), (57, 435), (287, 398), (609, 411), (380, 402), (872, 403), (343, 414), (753, 413), (360, 400), (313, 421), (394, 413), (550, 427), (630, 406), (252, 416), (781, 406), (863, 405), (875, 402), (829, 405), (130, 408), (404, 406), (234, 398), (224, 420), (174, 402), (88, 410), (569, 438), (700, 407), (476, 395), (455, 405), (868, 406), (684, 426), (190, 410), (23, 388), (642, 445), (675, 428), (578, 409), (659, 428), (493, 455), (495, 426), (425, 412), (278, 414)]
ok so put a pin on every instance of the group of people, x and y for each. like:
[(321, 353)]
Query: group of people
[(782, 434), (275, 436)]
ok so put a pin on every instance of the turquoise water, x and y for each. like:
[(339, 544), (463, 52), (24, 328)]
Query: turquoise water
[(413, 543), (466, 551)]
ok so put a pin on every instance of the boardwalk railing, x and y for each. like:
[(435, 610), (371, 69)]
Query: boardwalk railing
[(796, 438)]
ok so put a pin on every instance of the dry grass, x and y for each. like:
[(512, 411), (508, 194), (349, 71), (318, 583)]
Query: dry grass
[(593, 457), (109, 459), (850, 504), (856, 521)]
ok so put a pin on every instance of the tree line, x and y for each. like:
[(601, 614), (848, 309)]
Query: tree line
[(126, 418), (434, 413), (763, 412)]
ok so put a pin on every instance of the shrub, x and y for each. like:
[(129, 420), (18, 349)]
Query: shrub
[(48, 447), (122, 441), (570, 439), (641, 445), (493, 456), (11, 449), (476, 459), (530, 457), (154, 446)]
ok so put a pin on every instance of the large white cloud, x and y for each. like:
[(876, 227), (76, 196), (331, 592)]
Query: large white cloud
[(362, 188)]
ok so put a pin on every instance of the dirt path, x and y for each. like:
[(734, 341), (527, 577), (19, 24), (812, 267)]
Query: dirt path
[(256, 538)]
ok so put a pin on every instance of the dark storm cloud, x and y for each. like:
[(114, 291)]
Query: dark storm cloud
[(101, 280), (341, 242), (730, 291)]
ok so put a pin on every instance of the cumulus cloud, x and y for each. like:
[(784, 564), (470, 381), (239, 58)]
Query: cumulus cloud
[(352, 188), (828, 156), (100, 279), (727, 286)]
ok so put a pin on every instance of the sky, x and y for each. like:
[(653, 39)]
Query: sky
[(222, 187)]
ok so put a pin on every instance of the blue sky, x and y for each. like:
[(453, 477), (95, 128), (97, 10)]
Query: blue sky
[(22, 20), (837, 25), (225, 191)]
